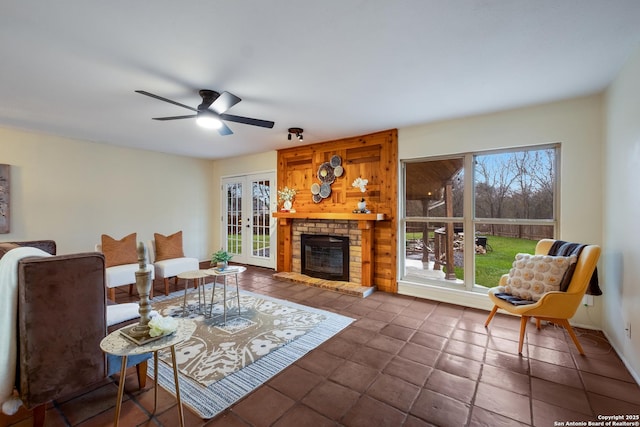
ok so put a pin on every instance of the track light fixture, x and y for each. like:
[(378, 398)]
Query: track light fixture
[(297, 132)]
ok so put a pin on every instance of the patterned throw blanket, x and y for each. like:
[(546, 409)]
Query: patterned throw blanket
[(562, 248)]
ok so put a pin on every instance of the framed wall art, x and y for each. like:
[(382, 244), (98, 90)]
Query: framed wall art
[(4, 199)]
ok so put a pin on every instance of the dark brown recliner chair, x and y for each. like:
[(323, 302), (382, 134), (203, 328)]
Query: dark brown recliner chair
[(61, 321)]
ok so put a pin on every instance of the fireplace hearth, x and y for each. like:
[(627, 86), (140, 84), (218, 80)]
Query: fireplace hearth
[(325, 257)]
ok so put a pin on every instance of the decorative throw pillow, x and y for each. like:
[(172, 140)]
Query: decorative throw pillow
[(119, 252), (533, 275), (6, 247), (168, 247)]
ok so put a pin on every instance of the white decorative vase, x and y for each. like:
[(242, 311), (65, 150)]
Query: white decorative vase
[(287, 205), (362, 206)]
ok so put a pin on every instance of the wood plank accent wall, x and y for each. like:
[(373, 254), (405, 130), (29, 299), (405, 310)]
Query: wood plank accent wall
[(374, 157)]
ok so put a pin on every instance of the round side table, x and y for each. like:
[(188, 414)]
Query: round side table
[(198, 277), (231, 270), (117, 344)]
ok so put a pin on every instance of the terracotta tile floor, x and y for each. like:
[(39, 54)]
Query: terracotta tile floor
[(404, 361)]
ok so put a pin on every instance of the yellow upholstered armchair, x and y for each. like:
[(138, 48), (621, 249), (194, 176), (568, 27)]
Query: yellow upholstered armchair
[(554, 306)]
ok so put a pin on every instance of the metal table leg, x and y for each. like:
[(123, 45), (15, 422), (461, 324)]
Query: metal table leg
[(203, 294), (175, 379), (213, 295), (238, 294), (224, 299), (155, 381), (123, 374), (184, 302)]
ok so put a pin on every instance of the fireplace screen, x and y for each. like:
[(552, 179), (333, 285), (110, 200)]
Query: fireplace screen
[(325, 257)]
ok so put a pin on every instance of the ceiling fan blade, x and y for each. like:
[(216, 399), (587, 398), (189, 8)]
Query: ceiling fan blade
[(247, 121), (165, 100), (224, 130), (190, 116), (225, 101)]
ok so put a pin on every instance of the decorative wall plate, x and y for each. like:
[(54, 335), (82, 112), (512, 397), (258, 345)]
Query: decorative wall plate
[(335, 161), (338, 171), (315, 188), (325, 173), (325, 190), (317, 198)]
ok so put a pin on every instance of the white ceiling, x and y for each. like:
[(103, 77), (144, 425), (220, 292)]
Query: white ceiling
[(336, 68)]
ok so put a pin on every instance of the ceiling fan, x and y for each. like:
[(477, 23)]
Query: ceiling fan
[(211, 111)]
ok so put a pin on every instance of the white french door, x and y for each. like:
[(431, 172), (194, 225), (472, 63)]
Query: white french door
[(248, 229)]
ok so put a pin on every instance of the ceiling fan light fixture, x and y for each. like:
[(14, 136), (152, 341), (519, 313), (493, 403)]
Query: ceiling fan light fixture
[(208, 120), (211, 112)]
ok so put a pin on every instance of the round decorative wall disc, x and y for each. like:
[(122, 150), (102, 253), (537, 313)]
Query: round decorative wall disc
[(325, 190), (325, 173)]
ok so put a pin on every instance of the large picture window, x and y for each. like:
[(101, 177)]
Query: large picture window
[(465, 217)]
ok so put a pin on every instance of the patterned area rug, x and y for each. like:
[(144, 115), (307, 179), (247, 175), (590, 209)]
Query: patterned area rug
[(221, 363)]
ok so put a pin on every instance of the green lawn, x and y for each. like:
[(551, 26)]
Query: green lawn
[(495, 263), (234, 243)]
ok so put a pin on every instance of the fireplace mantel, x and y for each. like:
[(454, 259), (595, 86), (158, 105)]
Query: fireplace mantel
[(366, 224), (331, 215)]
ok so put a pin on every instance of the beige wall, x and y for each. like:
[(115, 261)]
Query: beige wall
[(73, 191), (577, 124), (621, 203)]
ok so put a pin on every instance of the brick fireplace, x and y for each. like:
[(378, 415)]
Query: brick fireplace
[(358, 227), (348, 229)]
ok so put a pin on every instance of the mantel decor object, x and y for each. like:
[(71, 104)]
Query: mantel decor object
[(286, 196), (361, 183)]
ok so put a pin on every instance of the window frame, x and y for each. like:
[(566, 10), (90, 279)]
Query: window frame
[(469, 219)]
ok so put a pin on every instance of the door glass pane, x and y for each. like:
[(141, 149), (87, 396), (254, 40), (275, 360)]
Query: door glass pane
[(261, 199), (518, 185), (234, 218)]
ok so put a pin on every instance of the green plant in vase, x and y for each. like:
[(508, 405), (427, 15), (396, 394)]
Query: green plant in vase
[(221, 259)]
